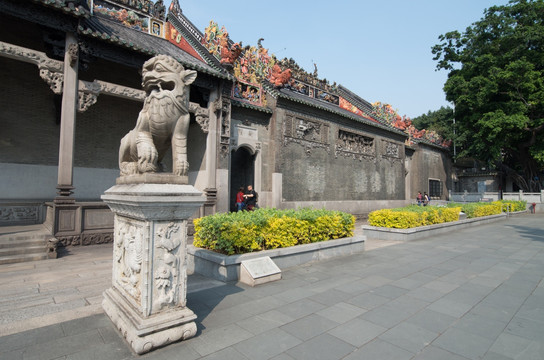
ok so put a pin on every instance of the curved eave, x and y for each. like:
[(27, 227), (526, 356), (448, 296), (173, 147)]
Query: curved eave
[(430, 143), (112, 39), (250, 106), (346, 114), (77, 11)]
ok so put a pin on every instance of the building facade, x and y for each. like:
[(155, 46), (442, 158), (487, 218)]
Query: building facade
[(72, 90)]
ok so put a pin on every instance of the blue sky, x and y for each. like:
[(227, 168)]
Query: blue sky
[(381, 50)]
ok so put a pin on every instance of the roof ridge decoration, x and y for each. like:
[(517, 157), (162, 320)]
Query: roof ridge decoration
[(404, 123), (74, 7), (176, 12), (251, 66), (143, 15), (155, 9)]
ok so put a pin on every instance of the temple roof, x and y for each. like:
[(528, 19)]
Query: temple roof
[(247, 105), (112, 32), (355, 99), (326, 106), (67, 7)]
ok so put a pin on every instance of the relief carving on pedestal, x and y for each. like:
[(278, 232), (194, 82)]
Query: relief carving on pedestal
[(167, 242), (357, 146), (128, 254)]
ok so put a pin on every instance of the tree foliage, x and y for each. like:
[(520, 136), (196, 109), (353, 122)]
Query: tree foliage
[(496, 82), (440, 121)]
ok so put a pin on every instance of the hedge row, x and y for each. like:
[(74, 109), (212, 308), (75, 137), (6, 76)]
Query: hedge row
[(414, 216), (473, 210), (262, 229)]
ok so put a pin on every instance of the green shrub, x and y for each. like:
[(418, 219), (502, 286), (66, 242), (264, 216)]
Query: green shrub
[(479, 209), (241, 232), (513, 205)]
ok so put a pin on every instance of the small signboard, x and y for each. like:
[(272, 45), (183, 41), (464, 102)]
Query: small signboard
[(259, 271)]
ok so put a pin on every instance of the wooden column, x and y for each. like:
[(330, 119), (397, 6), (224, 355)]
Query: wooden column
[(68, 121), (211, 156)]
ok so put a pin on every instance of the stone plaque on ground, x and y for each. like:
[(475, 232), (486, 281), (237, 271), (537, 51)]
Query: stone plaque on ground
[(259, 271)]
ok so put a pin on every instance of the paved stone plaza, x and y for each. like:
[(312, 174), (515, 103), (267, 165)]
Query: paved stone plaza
[(477, 293)]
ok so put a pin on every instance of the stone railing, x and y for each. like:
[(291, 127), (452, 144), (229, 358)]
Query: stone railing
[(466, 196)]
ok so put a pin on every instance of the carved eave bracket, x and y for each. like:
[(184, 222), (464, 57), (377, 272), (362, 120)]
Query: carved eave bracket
[(89, 91), (202, 116), (51, 71)]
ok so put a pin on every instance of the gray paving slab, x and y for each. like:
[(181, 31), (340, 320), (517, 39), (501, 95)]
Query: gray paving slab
[(323, 347), (268, 344), (463, 343), (379, 349), (358, 332), (309, 326), (473, 294), (409, 337)]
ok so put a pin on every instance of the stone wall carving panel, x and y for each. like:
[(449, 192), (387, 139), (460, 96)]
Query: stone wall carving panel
[(310, 133), (13, 214), (355, 145), (391, 151)]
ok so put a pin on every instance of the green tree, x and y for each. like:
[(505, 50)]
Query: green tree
[(440, 120), (496, 81)]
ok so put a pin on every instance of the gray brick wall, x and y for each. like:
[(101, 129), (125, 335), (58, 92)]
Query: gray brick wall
[(28, 127)]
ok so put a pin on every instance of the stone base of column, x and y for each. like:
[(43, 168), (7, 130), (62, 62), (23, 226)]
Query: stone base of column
[(146, 334)]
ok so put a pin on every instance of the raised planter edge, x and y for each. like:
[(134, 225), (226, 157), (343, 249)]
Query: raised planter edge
[(421, 232), (227, 267)]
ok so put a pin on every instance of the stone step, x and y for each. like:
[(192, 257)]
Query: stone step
[(23, 250), (23, 243), (6, 243), (22, 258)]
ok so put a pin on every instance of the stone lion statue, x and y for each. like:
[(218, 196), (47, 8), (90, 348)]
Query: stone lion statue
[(162, 122)]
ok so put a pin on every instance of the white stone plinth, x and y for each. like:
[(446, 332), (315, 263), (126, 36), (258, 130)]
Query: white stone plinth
[(147, 300)]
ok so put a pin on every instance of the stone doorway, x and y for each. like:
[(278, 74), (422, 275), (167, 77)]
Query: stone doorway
[(242, 173)]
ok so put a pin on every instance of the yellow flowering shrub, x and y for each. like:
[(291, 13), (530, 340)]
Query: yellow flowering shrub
[(488, 209), (241, 232), (395, 219), (285, 232), (412, 216)]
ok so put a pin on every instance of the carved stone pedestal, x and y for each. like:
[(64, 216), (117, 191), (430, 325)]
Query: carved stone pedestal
[(147, 299)]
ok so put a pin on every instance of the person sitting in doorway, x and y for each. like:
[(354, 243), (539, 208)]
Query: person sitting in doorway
[(251, 197), (240, 199)]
